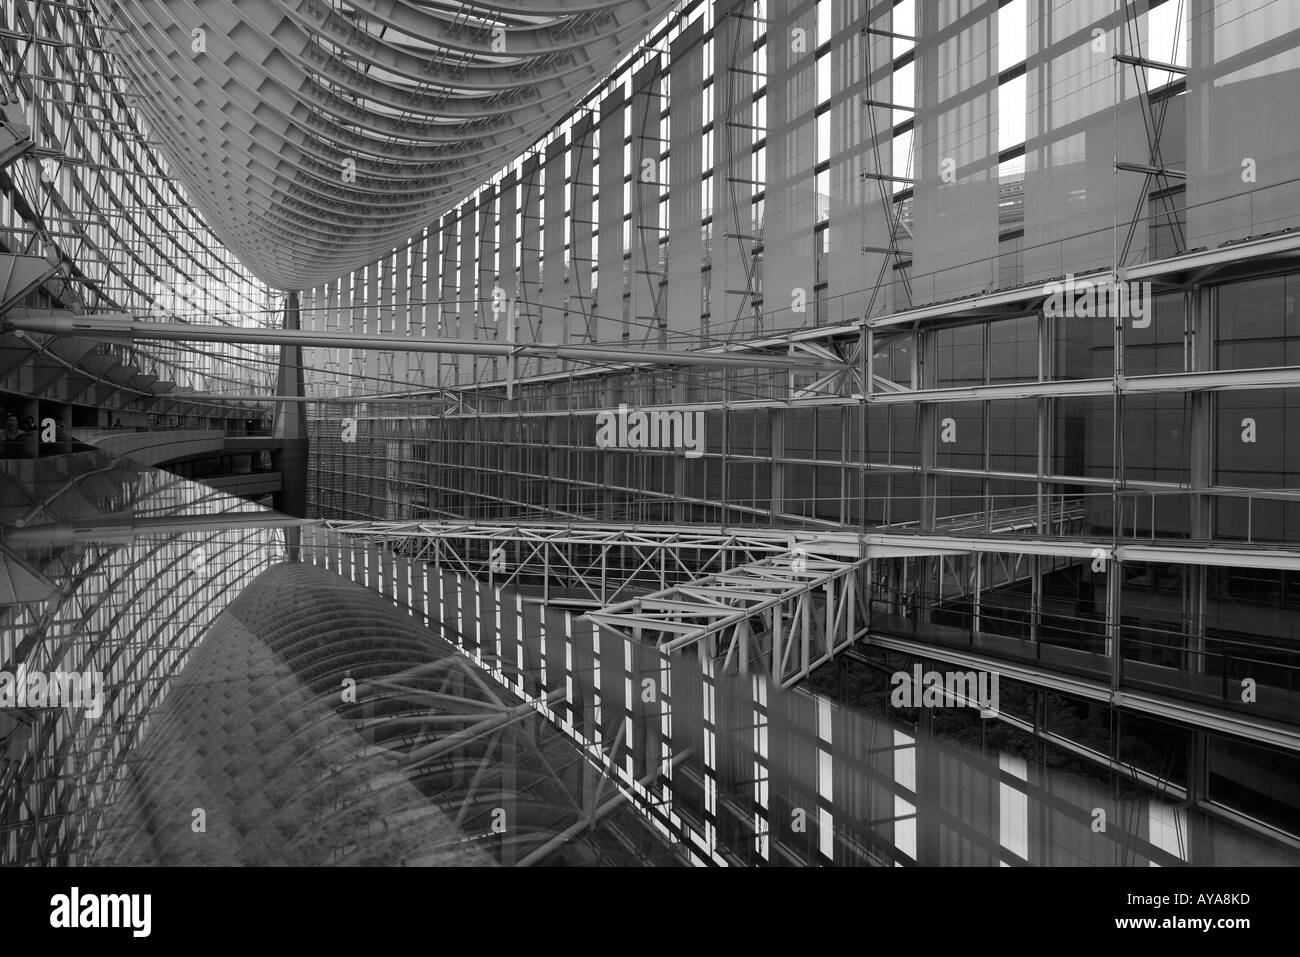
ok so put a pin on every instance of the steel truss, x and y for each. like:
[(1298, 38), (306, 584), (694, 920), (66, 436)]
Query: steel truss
[(735, 595), (787, 615), (602, 565), (378, 119), (132, 611), (414, 735), (579, 564)]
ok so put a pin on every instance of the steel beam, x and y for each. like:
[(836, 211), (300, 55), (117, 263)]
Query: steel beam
[(1236, 725), (548, 541), (122, 327), (57, 534), (1243, 380)]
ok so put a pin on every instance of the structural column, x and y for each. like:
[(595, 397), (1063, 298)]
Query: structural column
[(290, 428)]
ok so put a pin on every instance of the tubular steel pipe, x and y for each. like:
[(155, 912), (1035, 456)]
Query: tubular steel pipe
[(120, 327)]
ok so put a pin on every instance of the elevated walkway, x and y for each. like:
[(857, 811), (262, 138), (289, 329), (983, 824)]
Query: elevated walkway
[(785, 615)]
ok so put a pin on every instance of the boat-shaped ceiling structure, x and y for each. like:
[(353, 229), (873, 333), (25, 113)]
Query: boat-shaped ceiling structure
[(316, 135)]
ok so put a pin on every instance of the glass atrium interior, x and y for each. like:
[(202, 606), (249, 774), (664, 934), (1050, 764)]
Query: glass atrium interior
[(677, 387)]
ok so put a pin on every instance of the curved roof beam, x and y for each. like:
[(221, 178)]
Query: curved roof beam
[(259, 121)]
